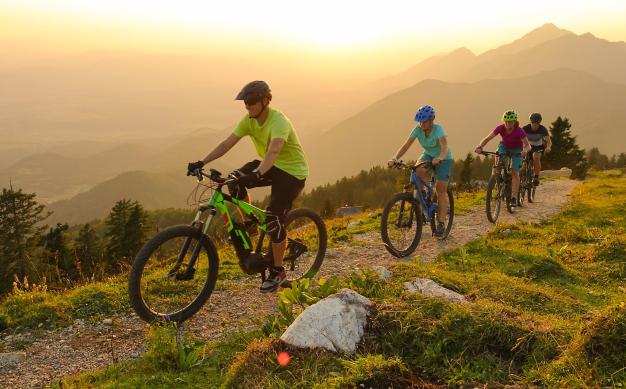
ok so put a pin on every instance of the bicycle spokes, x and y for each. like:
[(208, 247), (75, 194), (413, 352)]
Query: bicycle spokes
[(295, 248), (174, 275)]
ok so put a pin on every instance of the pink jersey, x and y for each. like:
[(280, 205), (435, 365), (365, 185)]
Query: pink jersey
[(512, 140)]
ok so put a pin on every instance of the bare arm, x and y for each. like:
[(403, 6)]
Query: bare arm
[(443, 142), (222, 148), (485, 141), (548, 141), (526, 146), (273, 150), (404, 147)]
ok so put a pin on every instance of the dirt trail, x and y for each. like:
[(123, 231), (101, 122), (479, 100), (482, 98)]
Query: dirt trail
[(83, 347)]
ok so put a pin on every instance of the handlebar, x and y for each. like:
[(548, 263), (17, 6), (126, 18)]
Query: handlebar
[(422, 164), (214, 176), (486, 153)]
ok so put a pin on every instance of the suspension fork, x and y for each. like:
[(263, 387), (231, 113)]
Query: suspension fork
[(204, 227)]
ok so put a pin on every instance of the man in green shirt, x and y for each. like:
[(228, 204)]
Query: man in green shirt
[(283, 166)]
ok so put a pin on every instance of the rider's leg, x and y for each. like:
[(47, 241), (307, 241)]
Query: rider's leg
[(285, 189), (443, 172), (442, 200), (536, 163), (514, 182), (421, 173), (279, 252), (516, 165)]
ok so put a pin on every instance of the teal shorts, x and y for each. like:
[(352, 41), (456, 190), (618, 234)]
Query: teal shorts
[(443, 170), (516, 159)]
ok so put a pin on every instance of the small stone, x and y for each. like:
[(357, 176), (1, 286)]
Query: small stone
[(353, 224), (506, 232), (107, 322), (11, 359), (40, 325), (430, 288), (382, 272)]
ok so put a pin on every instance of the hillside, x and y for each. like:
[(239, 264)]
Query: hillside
[(558, 322), (152, 190), (468, 111), (66, 171)]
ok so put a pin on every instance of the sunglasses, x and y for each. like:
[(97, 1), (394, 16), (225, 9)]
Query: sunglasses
[(252, 100)]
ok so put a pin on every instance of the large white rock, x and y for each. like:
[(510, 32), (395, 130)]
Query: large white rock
[(430, 288), (563, 172), (335, 323)]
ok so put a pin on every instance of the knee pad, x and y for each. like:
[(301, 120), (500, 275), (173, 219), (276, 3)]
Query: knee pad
[(276, 227)]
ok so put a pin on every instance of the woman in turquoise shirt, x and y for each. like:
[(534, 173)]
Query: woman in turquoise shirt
[(433, 139)]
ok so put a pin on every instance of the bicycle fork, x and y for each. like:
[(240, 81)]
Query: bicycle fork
[(190, 270)]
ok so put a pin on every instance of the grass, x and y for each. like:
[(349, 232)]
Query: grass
[(548, 308)]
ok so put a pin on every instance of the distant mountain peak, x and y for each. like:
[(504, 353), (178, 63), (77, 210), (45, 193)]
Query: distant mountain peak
[(462, 51), (533, 38), (548, 29)]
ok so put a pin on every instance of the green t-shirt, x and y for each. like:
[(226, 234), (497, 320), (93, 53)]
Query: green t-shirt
[(291, 158)]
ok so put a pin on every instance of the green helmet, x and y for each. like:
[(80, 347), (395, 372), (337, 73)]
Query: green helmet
[(509, 116)]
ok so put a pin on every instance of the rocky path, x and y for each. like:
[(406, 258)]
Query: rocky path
[(84, 347)]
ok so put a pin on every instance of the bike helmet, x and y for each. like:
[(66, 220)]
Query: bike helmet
[(535, 117), (509, 116), (425, 113), (255, 90)]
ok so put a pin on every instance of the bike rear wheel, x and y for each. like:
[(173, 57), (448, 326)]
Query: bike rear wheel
[(307, 240), (449, 216), (494, 198), (173, 274), (401, 225)]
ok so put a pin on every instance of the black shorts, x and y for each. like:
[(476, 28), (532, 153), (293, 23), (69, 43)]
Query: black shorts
[(537, 149), (285, 187)]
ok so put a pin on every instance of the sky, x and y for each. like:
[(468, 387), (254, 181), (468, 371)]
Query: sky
[(373, 35)]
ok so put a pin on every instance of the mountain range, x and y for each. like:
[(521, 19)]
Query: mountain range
[(550, 70)]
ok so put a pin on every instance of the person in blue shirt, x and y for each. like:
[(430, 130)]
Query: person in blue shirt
[(433, 139)]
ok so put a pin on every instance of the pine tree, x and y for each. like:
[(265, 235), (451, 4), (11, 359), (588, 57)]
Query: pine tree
[(327, 209), (57, 254), (466, 172), (136, 230), (597, 160), (88, 252), (20, 215), (565, 152), (126, 232)]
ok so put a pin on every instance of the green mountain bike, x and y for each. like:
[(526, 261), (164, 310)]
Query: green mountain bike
[(174, 273)]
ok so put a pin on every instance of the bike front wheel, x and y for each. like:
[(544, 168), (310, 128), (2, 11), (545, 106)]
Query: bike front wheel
[(449, 216), (494, 198), (401, 225), (173, 274), (524, 184)]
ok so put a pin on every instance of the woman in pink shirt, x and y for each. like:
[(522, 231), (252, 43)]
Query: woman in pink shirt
[(514, 143)]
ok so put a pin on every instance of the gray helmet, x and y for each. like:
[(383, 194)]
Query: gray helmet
[(254, 90), (535, 117)]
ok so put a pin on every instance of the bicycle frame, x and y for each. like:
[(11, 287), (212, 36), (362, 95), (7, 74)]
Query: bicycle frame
[(417, 182), (217, 203)]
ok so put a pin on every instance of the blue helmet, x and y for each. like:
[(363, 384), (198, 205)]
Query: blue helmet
[(425, 113)]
